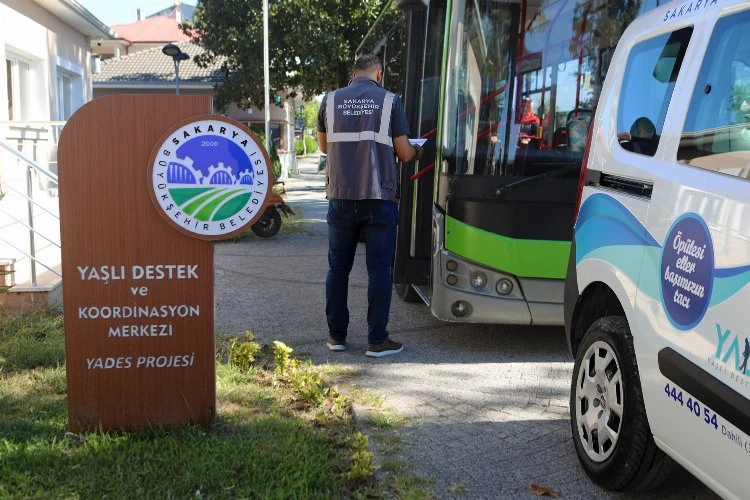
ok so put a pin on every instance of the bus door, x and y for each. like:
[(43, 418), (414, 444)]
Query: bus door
[(410, 45), (425, 38)]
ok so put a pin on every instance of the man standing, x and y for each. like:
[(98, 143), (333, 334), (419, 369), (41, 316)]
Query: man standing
[(360, 127)]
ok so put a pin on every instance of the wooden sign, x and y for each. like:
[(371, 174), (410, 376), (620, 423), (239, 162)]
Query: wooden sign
[(138, 273)]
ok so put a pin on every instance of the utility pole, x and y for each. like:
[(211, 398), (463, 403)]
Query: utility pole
[(266, 78)]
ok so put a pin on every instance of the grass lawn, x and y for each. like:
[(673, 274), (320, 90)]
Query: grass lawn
[(279, 432)]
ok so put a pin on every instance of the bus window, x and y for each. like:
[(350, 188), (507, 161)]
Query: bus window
[(387, 41), (523, 82)]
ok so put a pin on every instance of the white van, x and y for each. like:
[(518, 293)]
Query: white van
[(657, 297)]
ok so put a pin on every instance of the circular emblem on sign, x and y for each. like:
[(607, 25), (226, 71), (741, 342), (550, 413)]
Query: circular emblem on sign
[(209, 177), (687, 271)]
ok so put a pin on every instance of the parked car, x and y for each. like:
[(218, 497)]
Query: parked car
[(657, 296)]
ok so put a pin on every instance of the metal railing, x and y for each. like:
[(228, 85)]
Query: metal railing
[(29, 221)]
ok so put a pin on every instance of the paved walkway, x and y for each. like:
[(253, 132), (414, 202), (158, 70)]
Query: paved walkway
[(486, 406)]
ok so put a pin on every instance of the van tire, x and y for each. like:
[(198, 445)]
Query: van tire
[(632, 461)]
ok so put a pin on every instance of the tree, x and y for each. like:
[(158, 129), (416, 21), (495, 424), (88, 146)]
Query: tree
[(311, 44), (310, 112)]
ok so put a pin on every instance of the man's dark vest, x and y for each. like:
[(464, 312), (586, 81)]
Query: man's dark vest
[(360, 161)]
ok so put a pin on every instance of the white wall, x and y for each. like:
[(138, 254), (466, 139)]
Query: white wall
[(49, 46)]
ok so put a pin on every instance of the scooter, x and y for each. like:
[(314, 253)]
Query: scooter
[(270, 222)]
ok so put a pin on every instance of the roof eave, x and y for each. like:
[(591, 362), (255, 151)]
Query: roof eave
[(153, 85), (76, 15)]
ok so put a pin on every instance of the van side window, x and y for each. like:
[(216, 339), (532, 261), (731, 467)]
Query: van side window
[(649, 80), (716, 135)]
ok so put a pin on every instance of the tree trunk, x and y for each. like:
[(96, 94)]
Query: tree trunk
[(345, 74)]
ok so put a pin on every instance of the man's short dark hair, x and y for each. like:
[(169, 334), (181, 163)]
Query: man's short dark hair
[(368, 63)]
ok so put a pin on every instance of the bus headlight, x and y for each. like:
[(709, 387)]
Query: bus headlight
[(478, 279), (452, 279), (451, 265), (504, 286)]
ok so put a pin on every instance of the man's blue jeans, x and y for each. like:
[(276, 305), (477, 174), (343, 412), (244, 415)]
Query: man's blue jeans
[(378, 220)]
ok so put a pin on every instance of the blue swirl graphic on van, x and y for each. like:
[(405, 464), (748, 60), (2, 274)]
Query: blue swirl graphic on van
[(606, 230), (728, 281), (612, 225)]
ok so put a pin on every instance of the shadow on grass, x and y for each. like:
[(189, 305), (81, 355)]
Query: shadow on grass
[(264, 458), (255, 450), (265, 443)]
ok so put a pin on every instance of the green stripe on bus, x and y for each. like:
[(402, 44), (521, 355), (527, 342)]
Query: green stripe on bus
[(523, 258)]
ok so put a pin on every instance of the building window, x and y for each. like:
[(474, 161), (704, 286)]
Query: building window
[(8, 67), (64, 95), (70, 91), (18, 88)]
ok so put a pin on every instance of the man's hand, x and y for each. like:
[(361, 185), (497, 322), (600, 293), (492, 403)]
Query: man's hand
[(418, 152), (406, 151)]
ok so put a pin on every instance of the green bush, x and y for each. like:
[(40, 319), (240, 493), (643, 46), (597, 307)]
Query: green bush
[(281, 354), (311, 144), (302, 376), (242, 353), (299, 148)]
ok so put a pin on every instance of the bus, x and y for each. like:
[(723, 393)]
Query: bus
[(504, 92)]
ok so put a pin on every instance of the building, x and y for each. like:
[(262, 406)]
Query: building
[(45, 45)]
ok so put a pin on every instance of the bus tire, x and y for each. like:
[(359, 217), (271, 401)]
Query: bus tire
[(611, 433), (407, 293)]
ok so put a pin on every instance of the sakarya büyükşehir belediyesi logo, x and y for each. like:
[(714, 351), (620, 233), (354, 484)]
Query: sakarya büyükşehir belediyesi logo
[(210, 178)]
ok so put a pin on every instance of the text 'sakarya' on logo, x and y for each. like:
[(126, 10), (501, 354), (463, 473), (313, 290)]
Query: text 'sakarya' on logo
[(210, 177)]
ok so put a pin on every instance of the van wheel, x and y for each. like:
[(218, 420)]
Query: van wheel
[(407, 293), (608, 418)]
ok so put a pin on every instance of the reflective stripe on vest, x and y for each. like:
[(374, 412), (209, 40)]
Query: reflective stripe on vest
[(381, 136)]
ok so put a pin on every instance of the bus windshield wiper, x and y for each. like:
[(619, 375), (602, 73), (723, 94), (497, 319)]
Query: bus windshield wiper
[(536, 178)]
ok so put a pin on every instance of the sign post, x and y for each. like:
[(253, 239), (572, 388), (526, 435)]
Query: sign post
[(146, 182)]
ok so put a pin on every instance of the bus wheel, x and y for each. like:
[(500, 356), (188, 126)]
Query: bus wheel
[(608, 418), (407, 293)]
